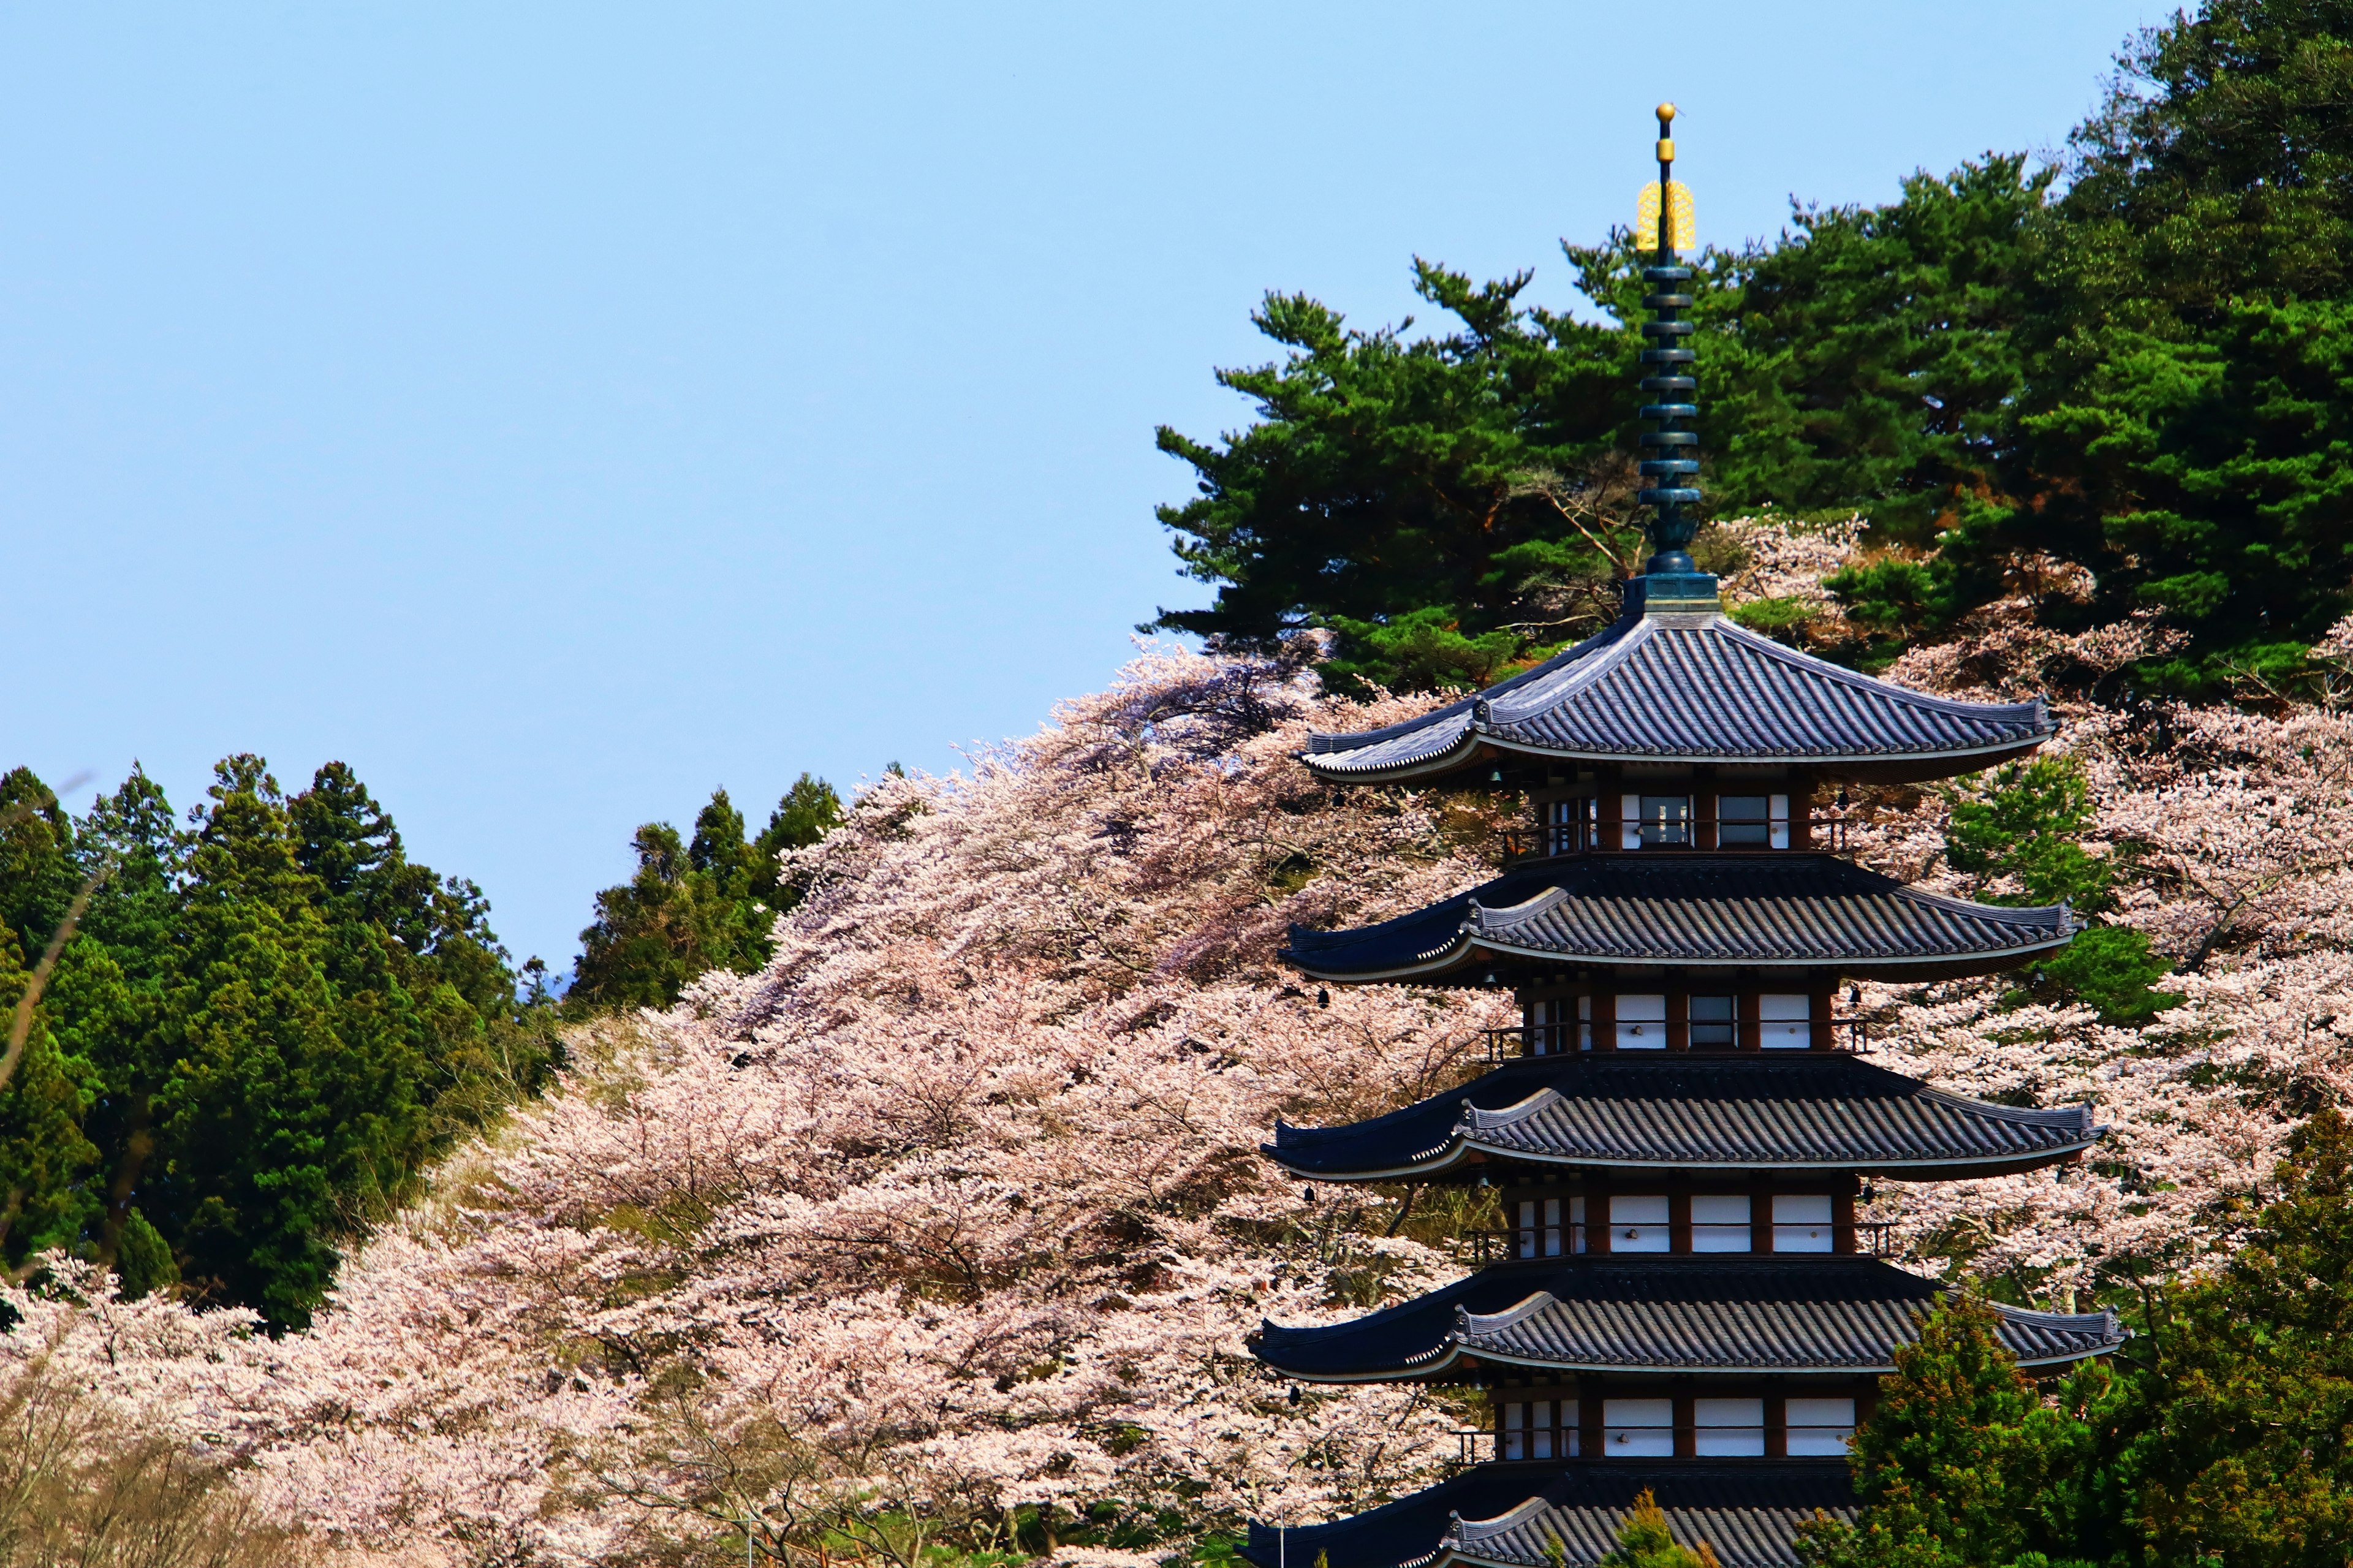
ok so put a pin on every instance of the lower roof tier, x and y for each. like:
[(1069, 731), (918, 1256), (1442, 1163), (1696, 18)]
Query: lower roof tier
[(1510, 1516), (1783, 911), (1720, 1315), (1811, 1111)]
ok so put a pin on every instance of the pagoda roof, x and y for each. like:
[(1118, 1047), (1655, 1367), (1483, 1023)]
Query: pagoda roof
[(1507, 1515), (1757, 909), (1800, 1111), (1723, 1313), (1692, 688)]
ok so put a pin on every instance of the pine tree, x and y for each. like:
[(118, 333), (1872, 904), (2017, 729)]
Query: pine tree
[(705, 904), (1962, 1465), (2232, 1440), (2024, 823), (1644, 1541), (259, 1032)]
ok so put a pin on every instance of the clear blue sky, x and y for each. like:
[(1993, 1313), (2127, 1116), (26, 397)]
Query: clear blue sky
[(556, 411)]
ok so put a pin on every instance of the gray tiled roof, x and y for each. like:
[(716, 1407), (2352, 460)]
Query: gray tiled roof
[(1802, 1110), (1508, 1514), (1659, 905), (1654, 687), (1723, 1313), (1752, 1532), (1804, 1333)]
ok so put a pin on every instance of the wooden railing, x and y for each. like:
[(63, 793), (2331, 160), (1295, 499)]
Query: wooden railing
[(1847, 1034), (1518, 1244), (1543, 841)]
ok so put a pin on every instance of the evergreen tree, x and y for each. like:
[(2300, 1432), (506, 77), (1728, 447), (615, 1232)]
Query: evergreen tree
[(2024, 823), (808, 811), (1992, 374), (1962, 1465), (2232, 1441), (1644, 1541), (1441, 502), (705, 904), (261, 1027)]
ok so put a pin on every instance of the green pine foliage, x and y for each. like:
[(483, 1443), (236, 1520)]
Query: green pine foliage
[(1964, 1464), (2220, 1436), (266, 1021), (2146, 375), (1644, 1541), (694, 906), (2019, 831), (1437, 500), (2231, 1437)]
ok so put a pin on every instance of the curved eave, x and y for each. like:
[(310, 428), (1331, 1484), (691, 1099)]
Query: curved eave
[(1877, 767), (1460, 1154), (1458, 956), (1478, 1358)]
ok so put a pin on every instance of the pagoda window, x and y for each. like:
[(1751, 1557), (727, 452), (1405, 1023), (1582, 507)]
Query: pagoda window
[(1819, 1427), (1802, 1223), (1715, 1021), (1549, 1027), (1729, 1428), (1640, 1428), (1543, 1233), (1787, 1022), (1642, 1022), (1759, 820), (1638, 1223), (1570, 827), (1720, 1223), (1539, 1429), (1652, 821)]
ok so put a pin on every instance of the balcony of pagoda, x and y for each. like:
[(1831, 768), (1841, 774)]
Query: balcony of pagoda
[(1755, 1419), (1707, 824), (1535, 1237), (1686, 1021)]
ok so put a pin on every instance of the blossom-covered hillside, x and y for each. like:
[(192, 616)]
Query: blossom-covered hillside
[(952, 1221)]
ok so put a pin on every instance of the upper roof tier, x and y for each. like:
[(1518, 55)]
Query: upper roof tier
[(1675, 681), (1788, 911), (1808, 1111), (1713, 1313), (1567, 1515)]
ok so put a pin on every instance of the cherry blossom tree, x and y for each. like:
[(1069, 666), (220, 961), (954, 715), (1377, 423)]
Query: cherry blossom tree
[(951, 1226)]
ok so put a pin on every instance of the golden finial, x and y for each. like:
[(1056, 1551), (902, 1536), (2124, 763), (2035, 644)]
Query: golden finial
[(1672, 229)]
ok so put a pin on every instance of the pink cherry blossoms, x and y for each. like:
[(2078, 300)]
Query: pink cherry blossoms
[(957, 1207)]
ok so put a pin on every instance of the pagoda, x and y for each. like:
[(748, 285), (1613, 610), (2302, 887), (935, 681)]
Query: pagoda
[(1682, 1300)]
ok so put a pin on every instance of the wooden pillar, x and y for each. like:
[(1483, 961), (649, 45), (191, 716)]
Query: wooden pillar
[(1605, 1020), (1818, 1012), (1678, 1020), (1751, 1034), (1679, 1221), (1777, 1427), (1588, 1417), (1842, 1233), (1686, 1428)]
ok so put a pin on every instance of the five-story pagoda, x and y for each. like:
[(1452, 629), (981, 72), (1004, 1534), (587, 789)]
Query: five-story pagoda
[(1684, 1301)]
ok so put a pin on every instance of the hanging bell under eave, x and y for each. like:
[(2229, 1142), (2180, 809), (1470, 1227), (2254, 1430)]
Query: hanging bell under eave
[(1682, 227)]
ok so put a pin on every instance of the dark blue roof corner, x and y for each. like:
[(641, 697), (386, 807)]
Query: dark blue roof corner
[(1730, 910), (1509, 1515), (1673, 687), (1805, 1111)]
